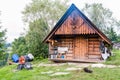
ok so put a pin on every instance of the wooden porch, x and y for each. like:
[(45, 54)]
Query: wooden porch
[(72, 58), (77, 60)]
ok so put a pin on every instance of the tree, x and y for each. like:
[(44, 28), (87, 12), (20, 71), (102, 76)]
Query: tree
[(19, 46), (112, 34), (48, 10), (118, 38), (2, 41), (102, 18), (41, 15), (34, 37)]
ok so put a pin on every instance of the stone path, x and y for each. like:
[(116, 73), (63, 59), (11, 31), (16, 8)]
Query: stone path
[(99, 65), (81, 65), (55, 64), (103, 66), (60, 73), (73, 69), (74, 66)]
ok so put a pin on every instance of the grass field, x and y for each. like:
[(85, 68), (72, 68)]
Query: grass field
[(9, 71), (115, 58)]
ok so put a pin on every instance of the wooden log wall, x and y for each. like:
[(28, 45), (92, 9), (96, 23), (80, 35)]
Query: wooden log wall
[(79, 47), (66, 42), (94, 48)]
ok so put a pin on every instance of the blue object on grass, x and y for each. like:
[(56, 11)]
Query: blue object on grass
[(15, 58)]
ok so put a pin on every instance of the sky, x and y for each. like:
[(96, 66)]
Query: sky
[(11, 16)]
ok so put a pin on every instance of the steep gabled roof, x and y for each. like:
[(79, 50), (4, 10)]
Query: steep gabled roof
[(65, 16)]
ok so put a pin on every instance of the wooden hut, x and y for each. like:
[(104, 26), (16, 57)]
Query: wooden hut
[(76, 38)]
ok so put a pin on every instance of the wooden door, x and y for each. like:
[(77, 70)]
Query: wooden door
[(80, 48), (93, 48)]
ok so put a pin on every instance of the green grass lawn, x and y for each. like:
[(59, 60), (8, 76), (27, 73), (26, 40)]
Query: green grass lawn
[(115, 58), (9, 72)]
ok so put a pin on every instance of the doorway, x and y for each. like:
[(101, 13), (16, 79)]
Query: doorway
[(80, 47)]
